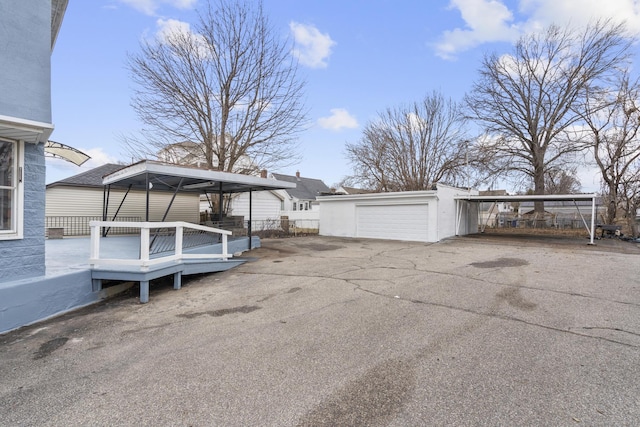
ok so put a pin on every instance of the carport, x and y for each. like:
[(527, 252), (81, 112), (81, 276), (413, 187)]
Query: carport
[(468, 199), (149, 176)]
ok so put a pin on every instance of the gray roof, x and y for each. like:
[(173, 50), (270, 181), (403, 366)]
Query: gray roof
[(306, 188), (90, 178)]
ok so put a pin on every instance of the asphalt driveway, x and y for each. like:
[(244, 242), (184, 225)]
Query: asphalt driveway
[(328, 331)]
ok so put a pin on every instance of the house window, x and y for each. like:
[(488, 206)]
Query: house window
[(10, 196), (281, 205), (295, 206)]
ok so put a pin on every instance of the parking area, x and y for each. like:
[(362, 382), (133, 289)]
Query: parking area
[(480, 330)]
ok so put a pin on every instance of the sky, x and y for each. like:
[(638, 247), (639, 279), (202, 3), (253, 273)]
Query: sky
[(359, 57)]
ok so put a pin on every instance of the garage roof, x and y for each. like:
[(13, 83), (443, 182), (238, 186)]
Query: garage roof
[(527, 198), (163, 176)]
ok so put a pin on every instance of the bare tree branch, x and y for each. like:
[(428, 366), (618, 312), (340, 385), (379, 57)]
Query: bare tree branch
[(527, 101), (228, 89), (411, 147)]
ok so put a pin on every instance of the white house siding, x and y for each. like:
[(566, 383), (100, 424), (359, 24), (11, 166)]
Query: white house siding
[(427, 216), (78, 201), (264, 206)]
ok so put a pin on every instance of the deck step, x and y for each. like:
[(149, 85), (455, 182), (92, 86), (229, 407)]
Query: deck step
[(177, 269)]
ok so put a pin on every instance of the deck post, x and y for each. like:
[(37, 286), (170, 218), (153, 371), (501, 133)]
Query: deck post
[(177, 280), (144, 292)]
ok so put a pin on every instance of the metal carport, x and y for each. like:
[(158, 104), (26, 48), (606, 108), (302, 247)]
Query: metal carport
[(149, 175), (469, 198)]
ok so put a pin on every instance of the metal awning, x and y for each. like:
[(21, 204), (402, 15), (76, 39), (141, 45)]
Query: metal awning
[(65, 152), (149, 174)]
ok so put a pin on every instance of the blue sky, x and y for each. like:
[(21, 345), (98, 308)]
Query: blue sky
[(358, 57)]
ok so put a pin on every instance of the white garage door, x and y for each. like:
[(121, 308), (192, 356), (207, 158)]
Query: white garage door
[(396, 222)]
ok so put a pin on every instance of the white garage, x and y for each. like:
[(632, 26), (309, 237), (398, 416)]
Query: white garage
[(393, 221), (424, 216)]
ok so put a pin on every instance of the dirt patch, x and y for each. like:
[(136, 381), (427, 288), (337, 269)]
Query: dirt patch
[(222, 312), (501, 262), (49, 347), (513, 297)]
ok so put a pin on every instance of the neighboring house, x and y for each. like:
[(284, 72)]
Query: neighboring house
[(297, 204), (72, 202), (29, 29), (493, 214), (303, 197), (188, 153), (352, 190)]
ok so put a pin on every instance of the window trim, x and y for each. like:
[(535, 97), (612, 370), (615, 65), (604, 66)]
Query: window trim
[(17, 227)]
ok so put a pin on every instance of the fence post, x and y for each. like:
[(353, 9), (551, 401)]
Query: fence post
[(144, 246), (179, 239), (95, 242), (225, 249)]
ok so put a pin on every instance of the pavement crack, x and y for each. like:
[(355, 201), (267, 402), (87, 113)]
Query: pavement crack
[(606, 328), (492, 315)]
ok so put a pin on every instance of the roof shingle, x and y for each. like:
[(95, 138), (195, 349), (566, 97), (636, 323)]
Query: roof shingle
[(306, 188), (90, 178)]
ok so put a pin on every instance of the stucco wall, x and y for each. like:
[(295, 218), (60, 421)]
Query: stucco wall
[(25, 59), (24, 258)]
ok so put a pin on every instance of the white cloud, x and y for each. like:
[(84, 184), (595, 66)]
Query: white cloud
[(338, 120), (149, 7), (170, 27), (180, 32), (312, 48), (489, 21)]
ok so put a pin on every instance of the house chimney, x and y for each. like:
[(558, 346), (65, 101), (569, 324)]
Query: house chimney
[(263, 173), (298, 174)]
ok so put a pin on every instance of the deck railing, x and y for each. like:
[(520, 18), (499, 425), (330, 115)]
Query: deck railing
[(174, 252)]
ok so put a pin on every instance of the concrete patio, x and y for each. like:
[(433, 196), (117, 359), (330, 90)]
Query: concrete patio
[(329, 331)]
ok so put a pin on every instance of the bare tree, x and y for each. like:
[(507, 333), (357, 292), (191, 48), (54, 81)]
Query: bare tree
[(526, 101), (613, 119), (227, 90), (411, 147), (631, 198), (560, 181)]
